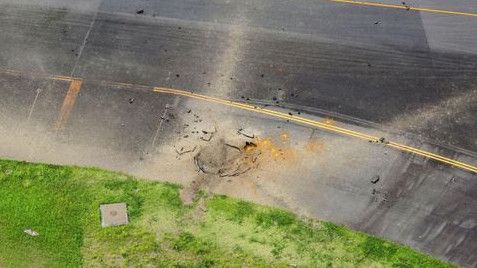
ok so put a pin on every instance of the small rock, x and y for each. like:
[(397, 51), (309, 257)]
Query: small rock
[(131, 100), (375, 179), (140, 11)]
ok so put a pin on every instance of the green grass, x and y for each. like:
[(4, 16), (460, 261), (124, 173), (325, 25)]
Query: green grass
[(62, 204)]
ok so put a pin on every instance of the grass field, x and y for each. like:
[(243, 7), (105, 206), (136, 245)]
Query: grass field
[(62, 205)]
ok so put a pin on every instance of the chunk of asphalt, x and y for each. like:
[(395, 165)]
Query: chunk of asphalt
[(375, 179), (246, 133)]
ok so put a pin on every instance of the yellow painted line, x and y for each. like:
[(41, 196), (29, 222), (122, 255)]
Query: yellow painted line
[(321, 125), (373, 4), (68, 103), (62, 78), (41, 75)]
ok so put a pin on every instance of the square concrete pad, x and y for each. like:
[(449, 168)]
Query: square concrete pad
[(114, 214)]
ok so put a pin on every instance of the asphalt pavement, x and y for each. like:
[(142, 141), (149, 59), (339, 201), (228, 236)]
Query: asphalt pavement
[(411, 74)]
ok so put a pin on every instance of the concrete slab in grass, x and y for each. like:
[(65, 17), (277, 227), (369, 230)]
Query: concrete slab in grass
[(114, 214)]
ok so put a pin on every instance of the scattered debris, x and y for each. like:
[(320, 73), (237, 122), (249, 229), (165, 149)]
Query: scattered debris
[(31, 232), (182, 150), (140, 11), (131, 100), (207, 137), (249, 145), (246, 133), (375, 179), (232, 146)]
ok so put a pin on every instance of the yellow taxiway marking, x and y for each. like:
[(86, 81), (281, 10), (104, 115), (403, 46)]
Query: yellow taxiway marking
[(62, 78), (374, 4), (317, 124), (68, 103)]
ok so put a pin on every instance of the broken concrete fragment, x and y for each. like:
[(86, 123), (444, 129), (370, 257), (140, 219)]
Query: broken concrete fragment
[(31, 232), (247, 133), (207, 136), (114, 214), (183, 150), (375, 179)]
